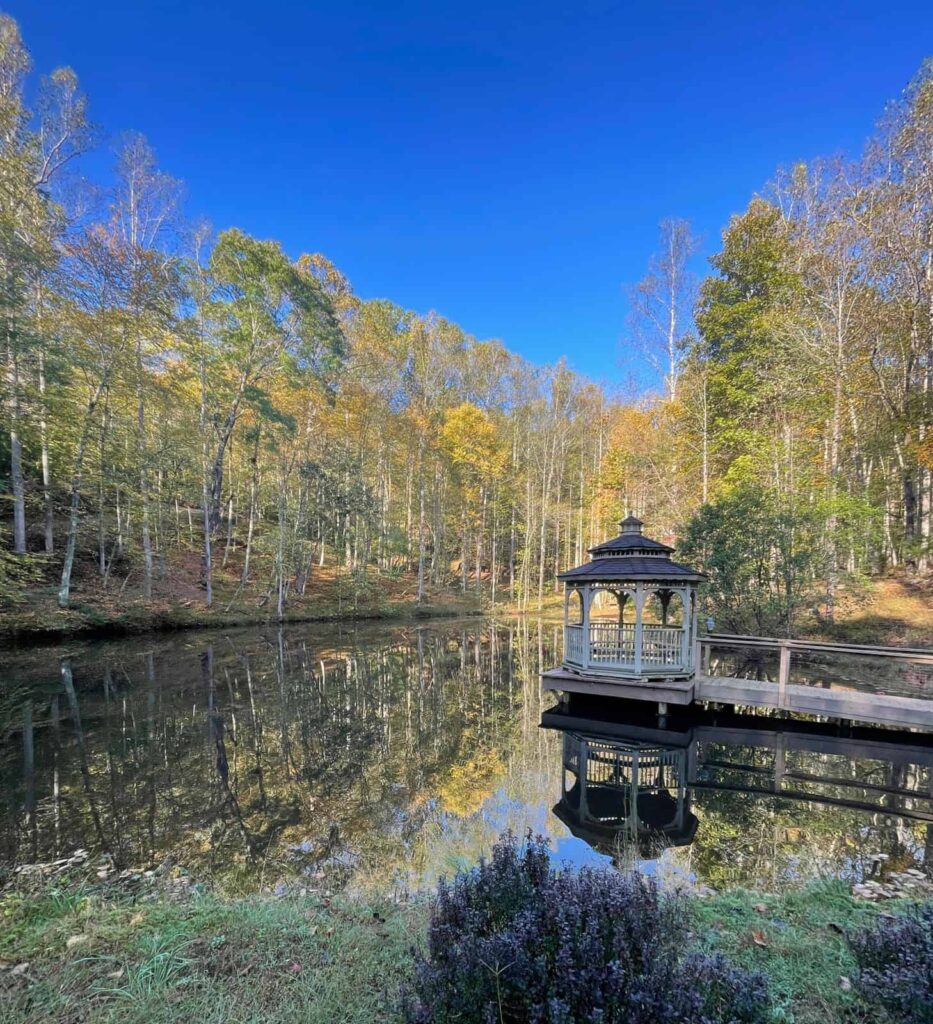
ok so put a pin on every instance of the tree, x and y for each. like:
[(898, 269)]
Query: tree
[(32, 153), (662, 302), (267, 317), (145, 203), (761, 556)]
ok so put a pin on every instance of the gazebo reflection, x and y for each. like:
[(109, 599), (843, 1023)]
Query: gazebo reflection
[(617, 795)]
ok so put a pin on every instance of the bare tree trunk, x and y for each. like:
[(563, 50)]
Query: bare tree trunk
[(101, 493), (253, 488), (143, 471), (64, 590), (421, 543), (49, 532), (280, 556), (16, 450)]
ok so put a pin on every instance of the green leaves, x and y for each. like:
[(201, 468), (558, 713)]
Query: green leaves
[(762, 555)]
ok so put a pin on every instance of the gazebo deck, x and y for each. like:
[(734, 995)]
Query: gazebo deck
[(662, 689)]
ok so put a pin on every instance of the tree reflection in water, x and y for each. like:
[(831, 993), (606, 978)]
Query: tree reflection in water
[(389, 756)]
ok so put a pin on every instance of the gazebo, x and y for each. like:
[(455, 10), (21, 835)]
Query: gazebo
[(631, 612), (615, 793)]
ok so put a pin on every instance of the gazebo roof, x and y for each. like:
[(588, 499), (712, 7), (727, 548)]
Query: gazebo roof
[(631, 556), (630, 541), (605, 838)]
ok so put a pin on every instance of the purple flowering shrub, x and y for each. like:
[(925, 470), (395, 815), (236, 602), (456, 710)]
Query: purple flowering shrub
[(514, 941), (895, 959)]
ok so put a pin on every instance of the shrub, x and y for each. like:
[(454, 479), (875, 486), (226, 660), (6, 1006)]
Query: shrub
[(515, 940), (895, 959)]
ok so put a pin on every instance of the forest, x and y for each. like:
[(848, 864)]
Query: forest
[(195, 412)]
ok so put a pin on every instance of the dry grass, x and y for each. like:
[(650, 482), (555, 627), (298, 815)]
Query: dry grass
[(894, 612)]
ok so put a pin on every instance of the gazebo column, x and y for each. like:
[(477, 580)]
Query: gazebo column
[(586, 598), (693, 612), (639, 605), (685, 647)]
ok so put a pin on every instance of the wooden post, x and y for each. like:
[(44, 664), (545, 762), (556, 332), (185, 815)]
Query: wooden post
[(706, 654), (783, 674), (585, 657), (582, 756)]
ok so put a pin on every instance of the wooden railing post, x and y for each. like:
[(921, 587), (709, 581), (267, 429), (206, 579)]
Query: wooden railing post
[(783, 674)]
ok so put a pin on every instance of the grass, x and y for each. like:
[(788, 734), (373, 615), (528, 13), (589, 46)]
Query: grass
[(95, 611), (96, 958), (798, 939)]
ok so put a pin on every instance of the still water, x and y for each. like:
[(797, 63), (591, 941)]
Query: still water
[(390, 756)]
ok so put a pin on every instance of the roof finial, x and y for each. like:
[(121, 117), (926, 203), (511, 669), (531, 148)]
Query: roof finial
[(630, 525)]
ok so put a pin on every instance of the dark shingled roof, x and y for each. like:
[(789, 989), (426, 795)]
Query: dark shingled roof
[(631, 556), (631, 567)]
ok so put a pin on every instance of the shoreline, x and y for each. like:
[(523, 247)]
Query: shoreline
[(95, 624)]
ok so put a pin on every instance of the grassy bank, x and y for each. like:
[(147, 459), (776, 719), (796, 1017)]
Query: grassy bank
[(895, 612), (798, 939), (93, 956), (78, 951)]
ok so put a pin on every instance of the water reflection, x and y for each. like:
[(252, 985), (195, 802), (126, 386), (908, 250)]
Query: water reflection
[(389, 756), (774, 797), (271, 753), (617, 794)]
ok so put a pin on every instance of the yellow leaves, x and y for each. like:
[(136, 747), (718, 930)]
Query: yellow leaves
[(471, 782), (471, 440), (924, 452)]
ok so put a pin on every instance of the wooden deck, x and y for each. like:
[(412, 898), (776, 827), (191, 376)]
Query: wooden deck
[(878, 685)]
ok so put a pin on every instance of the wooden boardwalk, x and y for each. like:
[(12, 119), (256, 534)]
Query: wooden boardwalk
[(879, 685)]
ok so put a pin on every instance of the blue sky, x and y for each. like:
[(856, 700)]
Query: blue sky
[(504, 163)]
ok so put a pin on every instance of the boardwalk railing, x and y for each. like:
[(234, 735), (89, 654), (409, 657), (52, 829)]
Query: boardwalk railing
[(858, 681)]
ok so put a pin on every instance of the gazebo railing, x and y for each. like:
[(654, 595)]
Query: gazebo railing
[(612, 647), (612, 644), (662, 645), (573, 646)]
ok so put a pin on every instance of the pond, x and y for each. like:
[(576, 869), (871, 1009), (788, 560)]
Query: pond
[(389, 756)]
